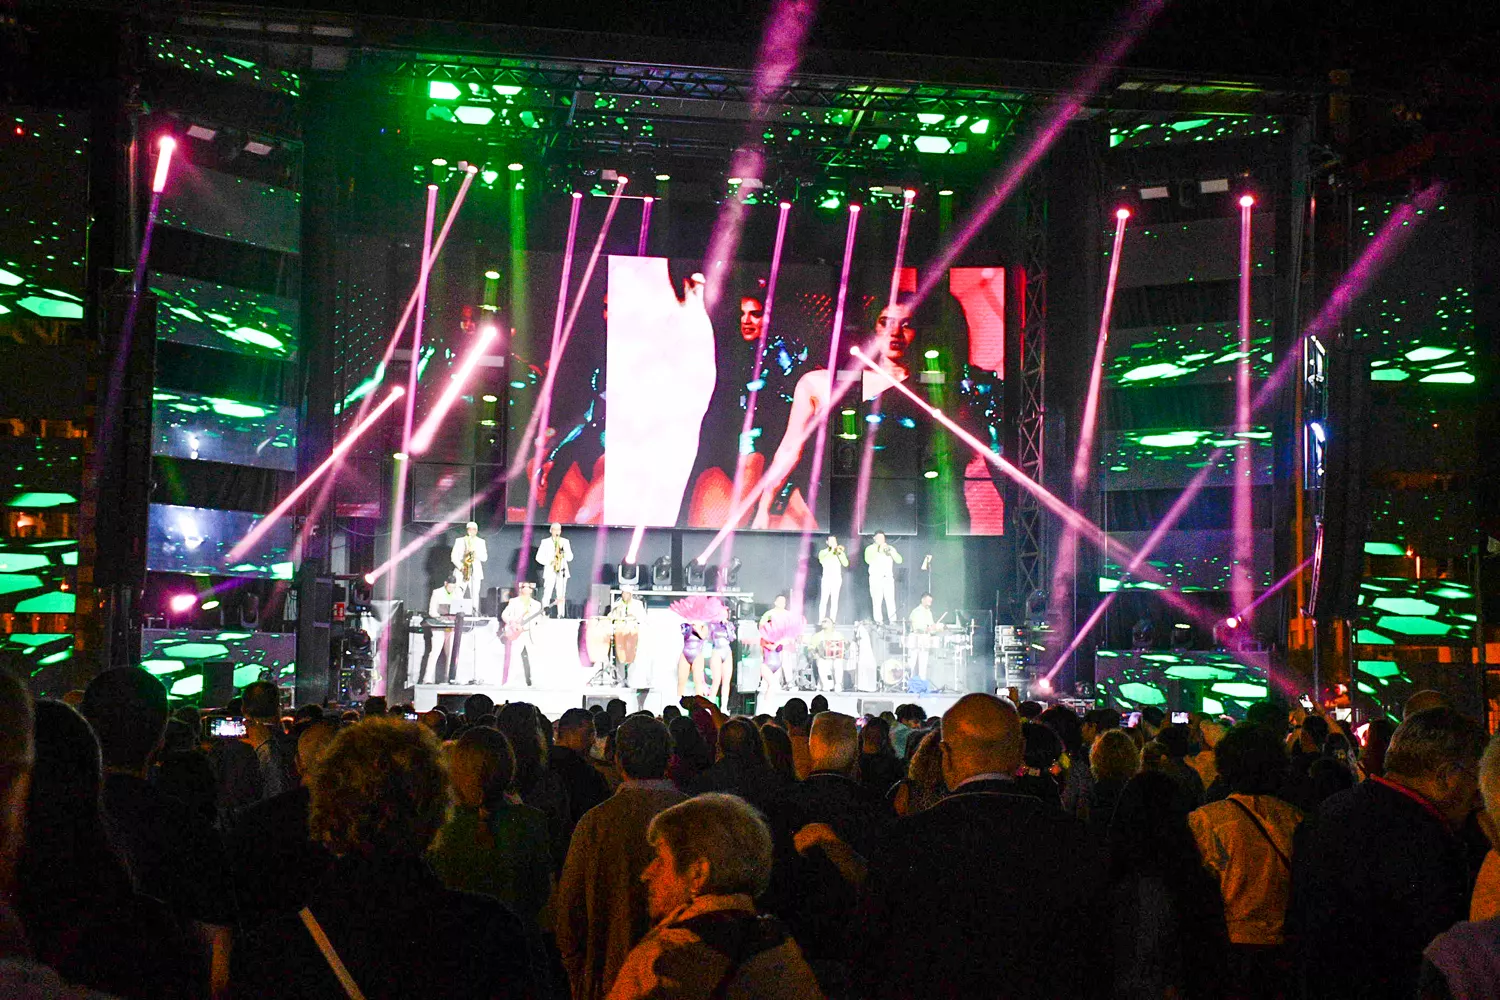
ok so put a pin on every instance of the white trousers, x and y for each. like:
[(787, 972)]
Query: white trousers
[(552, 581), (883, 589), (472, 589), (828, 598), (921, 652)]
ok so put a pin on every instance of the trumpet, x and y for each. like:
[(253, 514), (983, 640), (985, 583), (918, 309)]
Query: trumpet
[(838, 550)]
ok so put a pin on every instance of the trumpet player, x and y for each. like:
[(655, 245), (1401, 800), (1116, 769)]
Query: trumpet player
[(834, 561), (554, 555), (468, 557), (882, 560)]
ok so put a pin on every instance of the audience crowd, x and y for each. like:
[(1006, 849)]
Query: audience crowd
[(1000, 851)]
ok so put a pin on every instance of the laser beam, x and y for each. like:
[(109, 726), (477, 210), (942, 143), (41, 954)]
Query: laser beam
[(422, 439)]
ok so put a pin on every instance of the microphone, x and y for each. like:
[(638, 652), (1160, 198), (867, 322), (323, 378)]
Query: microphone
[(926, 562)]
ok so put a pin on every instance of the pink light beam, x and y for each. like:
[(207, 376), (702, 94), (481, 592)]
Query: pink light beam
[(1241, 515), (422, 439), (339, 450), (165, 146), (640, 246)]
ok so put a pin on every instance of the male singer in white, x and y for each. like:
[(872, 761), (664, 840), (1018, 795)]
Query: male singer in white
[(468, 557), (553, 555), (834, 561), (882, 560)]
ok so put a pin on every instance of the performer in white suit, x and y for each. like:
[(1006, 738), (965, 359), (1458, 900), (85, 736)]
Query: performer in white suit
[(882, 560), (554, 555), (834, 561), (469, 556)]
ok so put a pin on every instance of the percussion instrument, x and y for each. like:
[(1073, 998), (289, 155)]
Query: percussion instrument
[(598, 633), (893, 674)]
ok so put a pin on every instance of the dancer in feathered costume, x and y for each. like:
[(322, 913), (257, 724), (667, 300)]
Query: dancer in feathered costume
[(780, 631), (699, 613)]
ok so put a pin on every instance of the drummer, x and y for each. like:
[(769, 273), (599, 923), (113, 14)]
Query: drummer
[(922, 634), (626, 615)]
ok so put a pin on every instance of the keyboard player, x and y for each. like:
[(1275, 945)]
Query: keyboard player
[(445, 610)]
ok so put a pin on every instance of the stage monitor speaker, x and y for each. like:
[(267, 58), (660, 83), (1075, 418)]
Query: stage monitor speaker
[(218, 683), (874, 706), (452, 703), (743, 703), (590, 701)]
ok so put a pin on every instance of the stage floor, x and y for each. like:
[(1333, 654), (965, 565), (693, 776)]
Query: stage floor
[(553, 701)]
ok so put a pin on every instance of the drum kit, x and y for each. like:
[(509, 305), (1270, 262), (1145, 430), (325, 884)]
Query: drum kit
[(612, 645), (945, 645)]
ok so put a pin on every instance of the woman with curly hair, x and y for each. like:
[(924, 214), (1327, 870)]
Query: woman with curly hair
[(381, 922)]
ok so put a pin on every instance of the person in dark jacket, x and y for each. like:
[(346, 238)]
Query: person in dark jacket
[(569, 760), (379, 795), (1382, 870), (945, 880), (742, 768), (879, 768)]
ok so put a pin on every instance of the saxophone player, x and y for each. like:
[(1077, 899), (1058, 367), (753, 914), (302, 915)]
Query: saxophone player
[(468, 557), (554, 555)]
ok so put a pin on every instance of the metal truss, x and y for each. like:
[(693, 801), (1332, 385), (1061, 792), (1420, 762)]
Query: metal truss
[(1033, 555)]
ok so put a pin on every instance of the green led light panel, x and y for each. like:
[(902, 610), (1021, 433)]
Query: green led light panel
[(43, 160), (225, 318)]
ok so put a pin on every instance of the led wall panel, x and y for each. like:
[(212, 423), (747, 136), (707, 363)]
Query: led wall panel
[(1185, 354), (1170, 457), (1397, 611), (42, 245), (225, 318), (1214, 682), (1189, 561), (177, 656), (197, 540), (38, 577), (41, 473), (231, 208), (215, 429)]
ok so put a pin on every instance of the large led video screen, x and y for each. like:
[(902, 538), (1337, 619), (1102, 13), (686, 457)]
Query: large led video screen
[(198, 540), (43, 160), (216, 429)]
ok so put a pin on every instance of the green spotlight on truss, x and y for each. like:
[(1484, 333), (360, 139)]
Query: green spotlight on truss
[(980, 127), (930, 474), (831, 201), (933, 144), (515, 167), (208, 605), (507, 90), (929, 118), (438, 161), (663, 177), (442, 90), (492, 275), (945, 193), (930, 355), (472, 114), (489, 177)]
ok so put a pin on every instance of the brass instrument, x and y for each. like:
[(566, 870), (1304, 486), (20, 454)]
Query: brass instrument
[(558, 564), (838, 550), (468, 566)]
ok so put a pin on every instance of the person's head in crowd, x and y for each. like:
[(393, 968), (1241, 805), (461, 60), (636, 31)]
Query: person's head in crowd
[(981, 735), (833, 743), (128, 709), (308, 712), (380, 790), (1268, 715), (177, 738), (575, 730), (188, 715), (1251, 760), (1030, 710), (1435, 753), (1489, 790), (889, 717), (311, 744), (924, 784), (875, 738), (476, 706), (1114, 756), (604, 725), (67, 860), (1136, 735), (1311, 734), (795, 713), (262, 704), (518, 721), (740, 741), (1065, 723), (375, 706), (1175, 741), (1040, 747), (670, 712), (911, 716), (642, 748), (1152, 719), (233, 708), (1377, 741), (1421, 701), (488, 720), (616, 709), (16, 756), (711, 845), (762, 720), (779, 751), (349, 715), (437, 720), (1096, 721), (1210, 732), (483, 767), (1328, 777), (687, 742), (1337, 747), (818, 704)]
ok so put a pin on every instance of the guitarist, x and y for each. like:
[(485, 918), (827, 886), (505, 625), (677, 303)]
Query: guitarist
[(520, 614)]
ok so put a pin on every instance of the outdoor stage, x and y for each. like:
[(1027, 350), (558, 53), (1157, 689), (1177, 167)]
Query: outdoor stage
[(563, 676)]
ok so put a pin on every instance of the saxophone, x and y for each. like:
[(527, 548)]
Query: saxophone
[(557, 557), (468, 566)]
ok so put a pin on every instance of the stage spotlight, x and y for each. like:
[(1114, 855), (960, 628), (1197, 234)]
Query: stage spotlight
[(1247, 200), (628, 575), (661, 573), (729, 577), (209, 605), (515, 167), (1122, 213), (945, 193), (696, 576), (1182, 636), (663, 177), (1042, 685), (180, 603), (1231, 622), (165, 146)]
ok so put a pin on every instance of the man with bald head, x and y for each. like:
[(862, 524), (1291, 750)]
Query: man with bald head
[(999, 881), (275, 862), (807, 890)]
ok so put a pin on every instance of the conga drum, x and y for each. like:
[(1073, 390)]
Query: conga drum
[(597, 632), (627, 640)]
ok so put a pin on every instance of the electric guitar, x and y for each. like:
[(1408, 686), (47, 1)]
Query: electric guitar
[(513, 630)]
